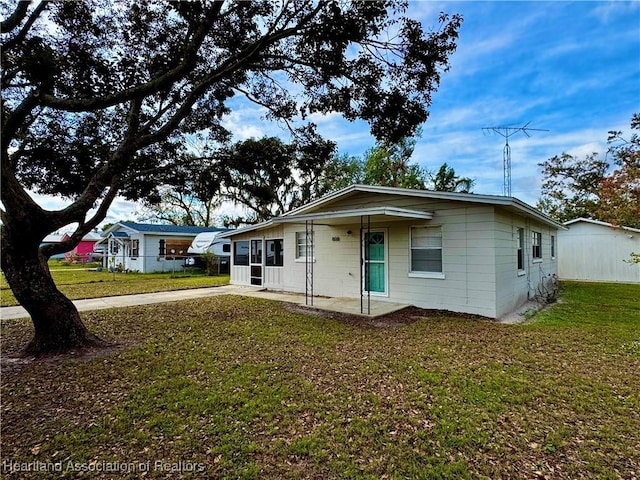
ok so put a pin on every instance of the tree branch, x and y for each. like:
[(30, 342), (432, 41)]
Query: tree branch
[(149, 88), (85, 227), (15, 18), (12, 42), (109, 174)]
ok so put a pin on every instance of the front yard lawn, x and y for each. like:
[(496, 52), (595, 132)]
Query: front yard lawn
[(236, 387), (77, 283)]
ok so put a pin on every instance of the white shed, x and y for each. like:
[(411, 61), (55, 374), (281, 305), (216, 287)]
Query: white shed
[(598, 251), (479, 254)]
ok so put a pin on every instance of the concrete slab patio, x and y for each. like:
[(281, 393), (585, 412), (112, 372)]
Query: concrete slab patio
[(342, 305), (333, 304)]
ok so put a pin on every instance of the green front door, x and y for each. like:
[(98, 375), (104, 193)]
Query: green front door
[(374, 262)]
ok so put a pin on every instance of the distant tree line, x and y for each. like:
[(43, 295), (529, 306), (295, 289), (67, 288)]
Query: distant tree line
[(267, 177)]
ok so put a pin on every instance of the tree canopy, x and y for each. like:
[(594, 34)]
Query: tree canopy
[(574, 187), (570, 186), (98, 98), (266, 177), (620, 190), (446, 180)]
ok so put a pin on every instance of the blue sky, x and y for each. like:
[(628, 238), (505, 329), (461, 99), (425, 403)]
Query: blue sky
[(572, 68)]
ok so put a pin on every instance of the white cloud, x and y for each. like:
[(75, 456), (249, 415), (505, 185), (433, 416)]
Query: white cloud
[(246, 123), (607, 11)]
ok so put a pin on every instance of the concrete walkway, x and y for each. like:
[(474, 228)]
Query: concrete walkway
[(342, 305)]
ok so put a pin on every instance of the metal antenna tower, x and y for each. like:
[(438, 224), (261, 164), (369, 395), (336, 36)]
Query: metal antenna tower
[(507, 132)]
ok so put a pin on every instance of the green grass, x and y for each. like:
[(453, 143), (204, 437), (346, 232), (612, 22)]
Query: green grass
[(77, 282), (247, 388)]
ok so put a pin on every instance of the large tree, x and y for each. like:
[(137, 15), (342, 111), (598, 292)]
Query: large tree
[(620, 190), (388, 164), (184, 198), (446, 180), (573, 187), (267, 177), (97, 98)]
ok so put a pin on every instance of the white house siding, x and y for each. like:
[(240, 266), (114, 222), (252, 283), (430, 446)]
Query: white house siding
[(595, 252), (272, 276), (468, 256), (479, 256), (468, 263), (336, 263), (111, 260), (468, 259), (515, 287)]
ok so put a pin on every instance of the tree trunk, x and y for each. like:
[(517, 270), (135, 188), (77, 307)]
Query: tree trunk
[(57, 323)]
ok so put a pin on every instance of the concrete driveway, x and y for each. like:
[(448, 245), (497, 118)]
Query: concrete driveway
[(342, 305)]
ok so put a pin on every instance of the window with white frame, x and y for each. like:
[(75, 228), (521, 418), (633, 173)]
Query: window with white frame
[(135, 248), (426, 250), (553, 246), (520, 240), (301, 245), (536, 245)]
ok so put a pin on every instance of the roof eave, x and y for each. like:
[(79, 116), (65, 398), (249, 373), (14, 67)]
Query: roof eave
[(247, 229), (598, 222), (360, 212)]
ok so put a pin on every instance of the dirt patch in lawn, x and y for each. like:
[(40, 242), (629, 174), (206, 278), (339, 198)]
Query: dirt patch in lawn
[(16, 359), (399, 318)]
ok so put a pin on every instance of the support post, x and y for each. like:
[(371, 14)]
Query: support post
[(309, 257), (361, 265), (368, 256)]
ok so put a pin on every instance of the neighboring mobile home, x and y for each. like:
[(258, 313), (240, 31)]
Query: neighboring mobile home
[(479, 254), (146, 247), (598, 251)]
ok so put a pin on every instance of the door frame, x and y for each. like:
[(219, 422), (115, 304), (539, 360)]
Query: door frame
[(252, 264), (385, 232)]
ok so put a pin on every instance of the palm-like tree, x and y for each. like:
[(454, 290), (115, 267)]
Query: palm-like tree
[(446, 180)]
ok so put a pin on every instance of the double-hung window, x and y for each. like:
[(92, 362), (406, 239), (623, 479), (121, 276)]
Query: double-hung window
[(302, 245), (426, 251), (520, 240), (536, 245)]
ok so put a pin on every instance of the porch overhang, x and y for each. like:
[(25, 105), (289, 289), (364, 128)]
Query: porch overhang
[(373, 214)]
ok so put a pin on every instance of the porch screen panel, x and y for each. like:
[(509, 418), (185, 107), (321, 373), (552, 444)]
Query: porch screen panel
[(520, 252), (256, 252), (241, 253), (275, 253)]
